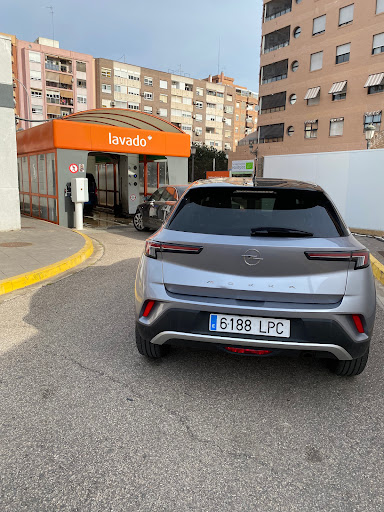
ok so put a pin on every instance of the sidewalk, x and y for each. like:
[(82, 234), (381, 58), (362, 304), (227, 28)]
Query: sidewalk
[(38, 251), (376, 248)]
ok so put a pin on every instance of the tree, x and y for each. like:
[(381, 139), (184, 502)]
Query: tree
[(204, 162)]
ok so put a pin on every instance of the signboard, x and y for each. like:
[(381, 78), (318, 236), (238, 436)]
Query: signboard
[(243, 165), (132, 197), (81, 168), (73, 168)]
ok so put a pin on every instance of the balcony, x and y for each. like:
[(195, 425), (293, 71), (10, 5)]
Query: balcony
[(276, 8), (274, 72), (61, 65), (58, 85), (273, 103), (276, 40)]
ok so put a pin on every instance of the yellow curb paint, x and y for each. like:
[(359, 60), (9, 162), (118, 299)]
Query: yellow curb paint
[(378, 269), (41, 274)]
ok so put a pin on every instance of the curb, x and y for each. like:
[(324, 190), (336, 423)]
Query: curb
[(377, 269), (41, 274)]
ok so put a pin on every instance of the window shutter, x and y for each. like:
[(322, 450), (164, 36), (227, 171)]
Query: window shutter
[(343, 49), (379, 6), (346, 14), (319, 24), (337, 127), (316, 61), (378, 40)]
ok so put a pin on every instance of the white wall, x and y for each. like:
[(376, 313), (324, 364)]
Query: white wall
[(353, 179), (177, 170), (9, 187)]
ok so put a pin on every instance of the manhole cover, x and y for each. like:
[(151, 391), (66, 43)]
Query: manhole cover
[(15, 244)]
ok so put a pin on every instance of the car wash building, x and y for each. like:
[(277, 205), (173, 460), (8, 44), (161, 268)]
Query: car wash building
[(129, 153)]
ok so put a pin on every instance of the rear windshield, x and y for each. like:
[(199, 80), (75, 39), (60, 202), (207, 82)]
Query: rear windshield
[(232, 211)]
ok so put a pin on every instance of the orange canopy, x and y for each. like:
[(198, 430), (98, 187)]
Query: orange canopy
[(107, 130)]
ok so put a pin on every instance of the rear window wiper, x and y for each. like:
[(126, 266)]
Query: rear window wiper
[(271, 231)]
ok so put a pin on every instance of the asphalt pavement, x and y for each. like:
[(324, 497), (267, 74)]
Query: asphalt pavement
[(88, 425)]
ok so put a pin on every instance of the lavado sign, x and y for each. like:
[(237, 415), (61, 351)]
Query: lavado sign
[(128, 141)]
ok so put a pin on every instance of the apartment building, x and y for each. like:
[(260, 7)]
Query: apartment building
[(14, 68), (246, 108), (210, 111), (57, 82), (322, 75)]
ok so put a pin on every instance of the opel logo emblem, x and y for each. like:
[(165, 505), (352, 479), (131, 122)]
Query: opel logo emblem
[(252, 257)]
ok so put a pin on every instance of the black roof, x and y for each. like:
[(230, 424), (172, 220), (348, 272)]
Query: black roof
[(260, 183)]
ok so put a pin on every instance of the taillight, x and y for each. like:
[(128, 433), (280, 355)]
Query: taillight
[(148, 308), (361, 258), (248, 351), (358, 323), (152, 248)]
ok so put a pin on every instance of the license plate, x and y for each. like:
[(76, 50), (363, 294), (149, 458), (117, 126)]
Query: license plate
[(250, 325)]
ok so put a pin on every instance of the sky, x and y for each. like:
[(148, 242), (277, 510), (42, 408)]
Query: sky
[(158, 34)]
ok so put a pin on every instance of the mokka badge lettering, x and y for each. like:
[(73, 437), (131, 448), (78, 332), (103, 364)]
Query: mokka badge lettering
[(128, 141)]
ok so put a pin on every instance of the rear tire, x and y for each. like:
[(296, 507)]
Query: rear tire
[(349, 368), (138, 222), (148, 349)]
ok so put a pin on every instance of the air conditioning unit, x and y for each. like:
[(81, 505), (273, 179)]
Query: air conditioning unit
[(224, 119), (142, 94), (195, 102), (113, 103), (158, 112), (193, 116)]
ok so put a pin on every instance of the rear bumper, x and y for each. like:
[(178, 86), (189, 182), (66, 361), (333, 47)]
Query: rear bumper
[(325, 337)]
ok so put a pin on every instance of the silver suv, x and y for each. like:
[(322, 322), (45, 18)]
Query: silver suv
[(258, 269)]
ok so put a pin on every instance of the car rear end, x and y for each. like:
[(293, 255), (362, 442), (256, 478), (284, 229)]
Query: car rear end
[(257, 270)]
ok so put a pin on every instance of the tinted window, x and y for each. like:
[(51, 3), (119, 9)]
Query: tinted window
[(156, 196), (236, 211), (169, 194)]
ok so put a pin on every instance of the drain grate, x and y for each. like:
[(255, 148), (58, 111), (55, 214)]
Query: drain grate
[(15, 244)]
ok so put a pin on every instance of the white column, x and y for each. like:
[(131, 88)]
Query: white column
[(9, 187)]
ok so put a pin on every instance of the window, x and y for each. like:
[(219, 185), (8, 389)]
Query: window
[(234, 212), (319, 25), (316, 61), (292, 99), (184, 113), (346, 15), (34, 57), (237, 117), (148, 80), (295, 66), (343, 53), (120, 104), (227, 146), (133, 106), (148, 95), (35, 75), (163, 98), (228, 121), (339, 91), (147, 109), (220, 94), (199, 91), (81, 99), (236, 130), (198, 117), (107, 72), (227, 134), (373, 118), (36, 94), (198, 130), (237, 104), (211, 105), (378, 44), (375, 89), (336, 127), (37, 109), (163, 84), (187, 101), (290, 131), (210, 93), (186, 127), (134, 90), (228, 109), (229, 97), (123, 73), (175, 112), (210, 117), (271, 133), (198, 104), (53, 97), (379, 6), (188, 87), (106, 88), (81, 66), (82, 83), (105, 103), (297, 32), (162, 112), (176, 99), (310, 129), (121, 88)]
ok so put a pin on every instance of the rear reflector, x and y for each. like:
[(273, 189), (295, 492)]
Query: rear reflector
[(361, 258), (148, 308), (152, 248), (358, 323), (248, 351)]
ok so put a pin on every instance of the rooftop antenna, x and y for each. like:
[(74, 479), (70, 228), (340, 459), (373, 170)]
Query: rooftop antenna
[(218, 59), (123, 57), (53, 25)]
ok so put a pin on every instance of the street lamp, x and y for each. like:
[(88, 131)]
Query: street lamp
[(369, 133), (193, 153), (28, 100)]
